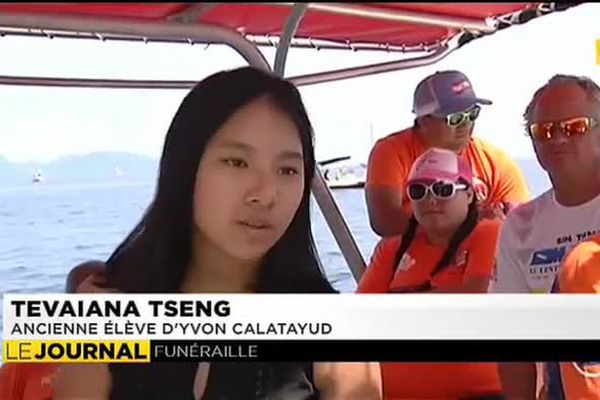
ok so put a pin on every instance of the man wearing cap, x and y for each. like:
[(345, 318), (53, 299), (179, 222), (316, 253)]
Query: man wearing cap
[(446, 108)]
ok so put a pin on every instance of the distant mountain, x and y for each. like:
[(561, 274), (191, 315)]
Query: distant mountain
[(88, 168), (128, 167)]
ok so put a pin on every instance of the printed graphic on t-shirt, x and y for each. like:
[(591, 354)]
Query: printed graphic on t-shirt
[(461, 258), (580, 237), (544, 264), (406, 262)]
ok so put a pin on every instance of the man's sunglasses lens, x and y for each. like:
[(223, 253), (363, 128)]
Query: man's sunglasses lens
[(572, 127), (459, 118), (576, 127), (455, 119)]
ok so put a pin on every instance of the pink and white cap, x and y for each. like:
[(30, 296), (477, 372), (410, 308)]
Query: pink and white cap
[(440, 164)]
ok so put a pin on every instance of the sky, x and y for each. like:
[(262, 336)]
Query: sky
[(42, 124)]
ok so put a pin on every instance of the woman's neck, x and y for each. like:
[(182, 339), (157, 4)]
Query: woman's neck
[(438, 238), (211, 270)]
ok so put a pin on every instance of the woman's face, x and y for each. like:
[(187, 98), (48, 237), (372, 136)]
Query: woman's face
[(250, 182), (442, 215)]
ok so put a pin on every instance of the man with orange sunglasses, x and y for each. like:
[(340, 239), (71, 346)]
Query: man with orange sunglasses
[(563, 123), (446, 108)]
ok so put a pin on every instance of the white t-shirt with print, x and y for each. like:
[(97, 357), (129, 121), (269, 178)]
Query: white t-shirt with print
[(535, 238)]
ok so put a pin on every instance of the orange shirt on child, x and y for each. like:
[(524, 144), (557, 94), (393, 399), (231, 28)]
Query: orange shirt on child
[(474, 258)]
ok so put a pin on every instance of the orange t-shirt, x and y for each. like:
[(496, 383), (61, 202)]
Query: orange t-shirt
[(474, 258), (580, 273), (498, 178), (30, 381)]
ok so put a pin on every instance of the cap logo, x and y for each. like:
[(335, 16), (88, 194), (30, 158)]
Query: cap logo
[(460, 87)]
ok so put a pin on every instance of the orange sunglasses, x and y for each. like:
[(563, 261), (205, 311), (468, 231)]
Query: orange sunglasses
[(569, 127)]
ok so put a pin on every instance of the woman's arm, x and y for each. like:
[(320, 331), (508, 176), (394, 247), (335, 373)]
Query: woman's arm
[(348, 380), (84, 381)]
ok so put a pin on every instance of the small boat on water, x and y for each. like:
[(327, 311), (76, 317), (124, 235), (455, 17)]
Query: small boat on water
[(37, 177), (342, 173)]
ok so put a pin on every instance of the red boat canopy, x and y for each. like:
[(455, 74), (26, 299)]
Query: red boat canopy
[(386, 26), (431, 29)]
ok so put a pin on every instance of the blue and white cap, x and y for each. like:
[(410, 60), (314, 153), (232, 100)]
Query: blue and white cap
[(445, 93)]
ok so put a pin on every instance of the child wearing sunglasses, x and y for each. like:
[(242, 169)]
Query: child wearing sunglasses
[(446, 249)]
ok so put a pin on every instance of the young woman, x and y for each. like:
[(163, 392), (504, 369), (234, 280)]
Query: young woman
[(231, 214), (447, 249)]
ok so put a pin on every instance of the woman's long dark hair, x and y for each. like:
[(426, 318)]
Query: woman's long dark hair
[(154, 256), (463, 231)]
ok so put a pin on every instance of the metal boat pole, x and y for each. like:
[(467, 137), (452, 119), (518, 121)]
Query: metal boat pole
[(321, 192)]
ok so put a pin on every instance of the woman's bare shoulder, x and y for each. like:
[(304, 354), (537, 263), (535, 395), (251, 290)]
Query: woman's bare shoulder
[(84, 272), (348, 380)]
